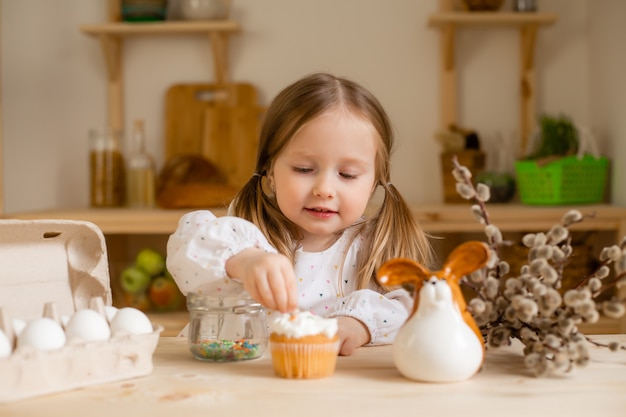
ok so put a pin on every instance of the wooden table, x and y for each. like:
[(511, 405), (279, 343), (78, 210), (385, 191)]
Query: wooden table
[(365, 384)]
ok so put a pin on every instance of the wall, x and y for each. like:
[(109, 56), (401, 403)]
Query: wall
[(607, 85), (53, 79)]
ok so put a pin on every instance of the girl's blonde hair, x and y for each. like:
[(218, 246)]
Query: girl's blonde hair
[(391, 232)]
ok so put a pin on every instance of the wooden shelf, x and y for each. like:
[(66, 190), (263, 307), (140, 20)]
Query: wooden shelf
[(491, 18), (448, 21), (457, 218), (117, 220), (435, 218), (111, 37), (156, 28)]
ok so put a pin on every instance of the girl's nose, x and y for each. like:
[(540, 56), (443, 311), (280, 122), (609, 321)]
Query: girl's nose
[(323, 188)]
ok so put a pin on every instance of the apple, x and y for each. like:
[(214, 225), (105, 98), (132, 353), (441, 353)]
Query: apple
[(139, 301), (164, 294), (134, 280), (150, 261)]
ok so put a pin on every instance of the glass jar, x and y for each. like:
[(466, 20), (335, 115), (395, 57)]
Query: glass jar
[(107, 169), (225, 329)]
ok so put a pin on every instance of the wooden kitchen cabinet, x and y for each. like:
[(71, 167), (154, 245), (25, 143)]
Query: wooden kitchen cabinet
[(448, 22)]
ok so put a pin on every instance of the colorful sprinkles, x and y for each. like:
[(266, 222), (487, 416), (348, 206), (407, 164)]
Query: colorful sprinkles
[(225, 350)]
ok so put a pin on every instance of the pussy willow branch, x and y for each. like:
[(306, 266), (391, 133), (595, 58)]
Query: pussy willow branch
[(610, 285), (468, 181), (599, 344), (561, 336)]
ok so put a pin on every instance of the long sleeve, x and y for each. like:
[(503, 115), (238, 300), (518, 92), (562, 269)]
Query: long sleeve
[(382, 314), (327, 284), (199, 248)]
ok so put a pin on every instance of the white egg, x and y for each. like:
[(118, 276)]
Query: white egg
[(87, 325), (132, 320), (42, 334), (110, 312), (18, 326), (5, 345)]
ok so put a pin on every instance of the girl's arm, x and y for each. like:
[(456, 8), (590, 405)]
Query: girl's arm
[(382, 314), (198, 250)]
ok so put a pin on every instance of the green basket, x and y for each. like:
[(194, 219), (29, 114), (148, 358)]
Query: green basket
[(569, 180)]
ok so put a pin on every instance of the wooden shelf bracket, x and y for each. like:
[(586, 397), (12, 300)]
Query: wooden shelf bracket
[(219, 46), (528, 36), (112, 51)]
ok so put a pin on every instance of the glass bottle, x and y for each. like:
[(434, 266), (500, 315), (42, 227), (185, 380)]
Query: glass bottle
[(225, 329), (141, 173), (106, 169)]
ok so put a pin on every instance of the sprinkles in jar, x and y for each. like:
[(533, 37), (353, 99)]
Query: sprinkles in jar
[(223, 329)]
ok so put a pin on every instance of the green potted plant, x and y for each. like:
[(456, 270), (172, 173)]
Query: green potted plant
[(559, 137), (557, 171)]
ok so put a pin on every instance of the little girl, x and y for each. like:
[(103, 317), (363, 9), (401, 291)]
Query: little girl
[(296, 235)]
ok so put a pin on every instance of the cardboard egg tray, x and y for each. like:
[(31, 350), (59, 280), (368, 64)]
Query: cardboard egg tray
[(63, 264)]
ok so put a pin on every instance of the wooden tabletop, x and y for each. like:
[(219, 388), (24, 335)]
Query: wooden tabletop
[(365, 384)]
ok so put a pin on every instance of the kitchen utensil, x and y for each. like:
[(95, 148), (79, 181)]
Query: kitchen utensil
[(219, 122)]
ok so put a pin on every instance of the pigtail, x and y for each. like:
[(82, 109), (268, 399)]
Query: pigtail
[(392, 233), (244, 204), (253, 203)]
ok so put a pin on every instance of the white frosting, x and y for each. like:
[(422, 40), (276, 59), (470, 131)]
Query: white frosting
[(303, 323)]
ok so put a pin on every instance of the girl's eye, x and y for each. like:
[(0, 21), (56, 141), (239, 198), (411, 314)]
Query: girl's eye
[(347, 176), (302, 170)]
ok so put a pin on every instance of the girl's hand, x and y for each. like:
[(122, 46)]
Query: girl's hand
[(268, 277), (352, 334)]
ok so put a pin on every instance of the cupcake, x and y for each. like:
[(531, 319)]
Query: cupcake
[(303, 345)]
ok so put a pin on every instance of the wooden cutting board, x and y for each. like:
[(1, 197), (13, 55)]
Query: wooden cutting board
[(217, 121)]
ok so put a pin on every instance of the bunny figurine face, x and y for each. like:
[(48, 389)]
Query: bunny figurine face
[(440, 342)]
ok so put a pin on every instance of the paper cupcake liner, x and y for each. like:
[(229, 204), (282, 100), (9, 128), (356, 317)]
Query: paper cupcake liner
[(303, 360)]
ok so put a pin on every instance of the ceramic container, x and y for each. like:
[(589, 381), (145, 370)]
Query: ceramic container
[(435, 344), (204, 9), (440, 341)]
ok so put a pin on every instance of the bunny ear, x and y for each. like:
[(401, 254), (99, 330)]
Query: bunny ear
[(401, 271), (465, 259)]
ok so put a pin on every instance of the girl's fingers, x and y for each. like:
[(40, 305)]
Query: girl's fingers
[(269, 279), (292, 293), (283, 290), (265, 293)]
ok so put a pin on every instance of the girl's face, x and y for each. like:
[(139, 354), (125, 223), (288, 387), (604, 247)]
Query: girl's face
[(325, 176)]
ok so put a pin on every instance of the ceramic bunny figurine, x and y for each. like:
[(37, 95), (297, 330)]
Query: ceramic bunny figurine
[(440, 342)]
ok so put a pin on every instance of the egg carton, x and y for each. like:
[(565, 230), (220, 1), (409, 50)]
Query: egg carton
[(62, 267)]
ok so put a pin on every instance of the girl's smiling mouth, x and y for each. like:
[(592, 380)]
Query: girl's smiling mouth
[(320, 212)]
